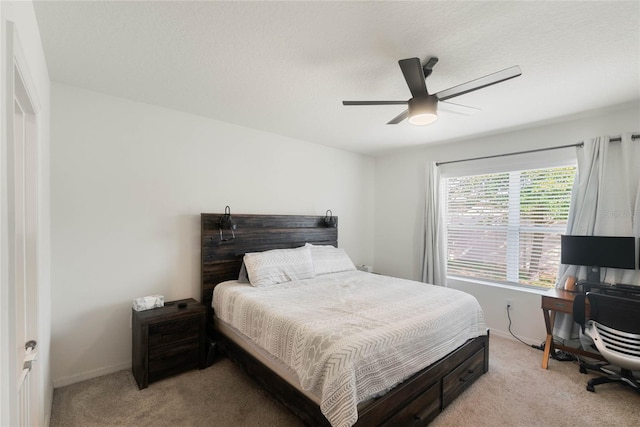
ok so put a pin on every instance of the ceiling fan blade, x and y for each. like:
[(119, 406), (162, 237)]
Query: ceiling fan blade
[(450, 107), (414, 76), (488, 80), (374, 102), (400, 117)]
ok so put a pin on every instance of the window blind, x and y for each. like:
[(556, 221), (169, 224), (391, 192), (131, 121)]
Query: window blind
[(506, 226)]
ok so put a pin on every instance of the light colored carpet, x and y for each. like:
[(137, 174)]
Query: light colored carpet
[(515, 392)]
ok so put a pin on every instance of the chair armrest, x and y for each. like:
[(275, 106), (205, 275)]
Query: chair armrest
[(579, 310)]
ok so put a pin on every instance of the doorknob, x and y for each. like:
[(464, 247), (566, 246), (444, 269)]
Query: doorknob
[(30, 347)]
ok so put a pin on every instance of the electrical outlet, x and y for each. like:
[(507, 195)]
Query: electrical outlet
[(509, 304)]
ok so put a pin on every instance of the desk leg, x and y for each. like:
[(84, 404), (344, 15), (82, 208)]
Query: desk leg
[(549, 320)]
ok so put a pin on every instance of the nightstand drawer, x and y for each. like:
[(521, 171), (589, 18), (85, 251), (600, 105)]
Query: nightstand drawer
[(174, 360), (174, 331)]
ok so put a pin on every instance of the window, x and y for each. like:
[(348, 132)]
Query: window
[(506, 226)]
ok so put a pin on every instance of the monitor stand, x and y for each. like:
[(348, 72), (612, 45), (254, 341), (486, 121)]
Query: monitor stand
[(593, 275)]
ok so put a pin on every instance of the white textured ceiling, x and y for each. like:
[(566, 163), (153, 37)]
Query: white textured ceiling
[(285, 67)]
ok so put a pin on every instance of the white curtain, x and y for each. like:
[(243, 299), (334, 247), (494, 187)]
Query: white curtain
[(605, 202), (434, 266)]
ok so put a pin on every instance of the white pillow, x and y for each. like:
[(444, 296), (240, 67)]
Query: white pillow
[(329, 259), (243, 277), (278, 266)]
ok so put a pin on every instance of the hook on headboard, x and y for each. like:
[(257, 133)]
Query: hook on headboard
[(226, 223), (329, 219)]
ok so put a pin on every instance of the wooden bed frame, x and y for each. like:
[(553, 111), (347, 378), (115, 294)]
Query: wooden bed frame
[(416, 401)]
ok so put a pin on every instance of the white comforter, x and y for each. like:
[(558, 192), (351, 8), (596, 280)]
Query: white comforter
[(349, 336)]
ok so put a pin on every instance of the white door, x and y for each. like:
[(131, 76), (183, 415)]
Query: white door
[(25, 198), (20, 241)]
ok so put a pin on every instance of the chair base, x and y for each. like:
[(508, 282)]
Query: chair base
[(624, 377)]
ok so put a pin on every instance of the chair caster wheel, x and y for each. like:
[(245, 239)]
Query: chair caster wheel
[(591, 388), (583, 370)]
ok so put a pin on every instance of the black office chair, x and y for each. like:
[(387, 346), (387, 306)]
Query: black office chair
[(613, 324)]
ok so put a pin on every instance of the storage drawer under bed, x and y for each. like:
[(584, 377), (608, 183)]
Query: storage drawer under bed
[(425, 407), (462, 377), (420, 411)]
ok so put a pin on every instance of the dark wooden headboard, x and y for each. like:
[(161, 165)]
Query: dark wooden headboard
[(221, 260)]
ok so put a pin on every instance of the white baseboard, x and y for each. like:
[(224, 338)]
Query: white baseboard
[(507, 335), (72, 379)]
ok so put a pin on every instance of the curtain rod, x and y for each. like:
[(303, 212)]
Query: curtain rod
[(579, 144), (619, 138)]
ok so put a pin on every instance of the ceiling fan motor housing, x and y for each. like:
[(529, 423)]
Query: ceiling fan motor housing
[(423, 110)]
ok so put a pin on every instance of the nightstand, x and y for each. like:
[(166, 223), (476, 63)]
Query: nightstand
[(168, 340)]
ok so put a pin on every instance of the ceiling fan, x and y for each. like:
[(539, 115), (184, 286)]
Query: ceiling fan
[(423, 106)]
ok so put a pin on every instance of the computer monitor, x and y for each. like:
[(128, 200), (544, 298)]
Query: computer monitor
[(598, 251)]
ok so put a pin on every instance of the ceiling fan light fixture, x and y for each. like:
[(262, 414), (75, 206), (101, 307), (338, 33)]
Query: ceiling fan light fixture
[(423, 111)]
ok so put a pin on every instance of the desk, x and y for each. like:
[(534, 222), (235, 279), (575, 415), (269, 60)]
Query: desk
[(559, 301)]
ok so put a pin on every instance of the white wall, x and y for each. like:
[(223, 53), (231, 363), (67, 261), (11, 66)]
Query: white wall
[(129, 182), (399, 205), (22, 15)]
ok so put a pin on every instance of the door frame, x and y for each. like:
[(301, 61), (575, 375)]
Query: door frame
[(16, 71)]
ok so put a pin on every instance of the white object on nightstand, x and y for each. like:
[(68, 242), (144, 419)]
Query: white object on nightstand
[(148, 302)]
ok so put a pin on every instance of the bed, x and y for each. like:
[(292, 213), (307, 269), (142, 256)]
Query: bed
[(403, 398)]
